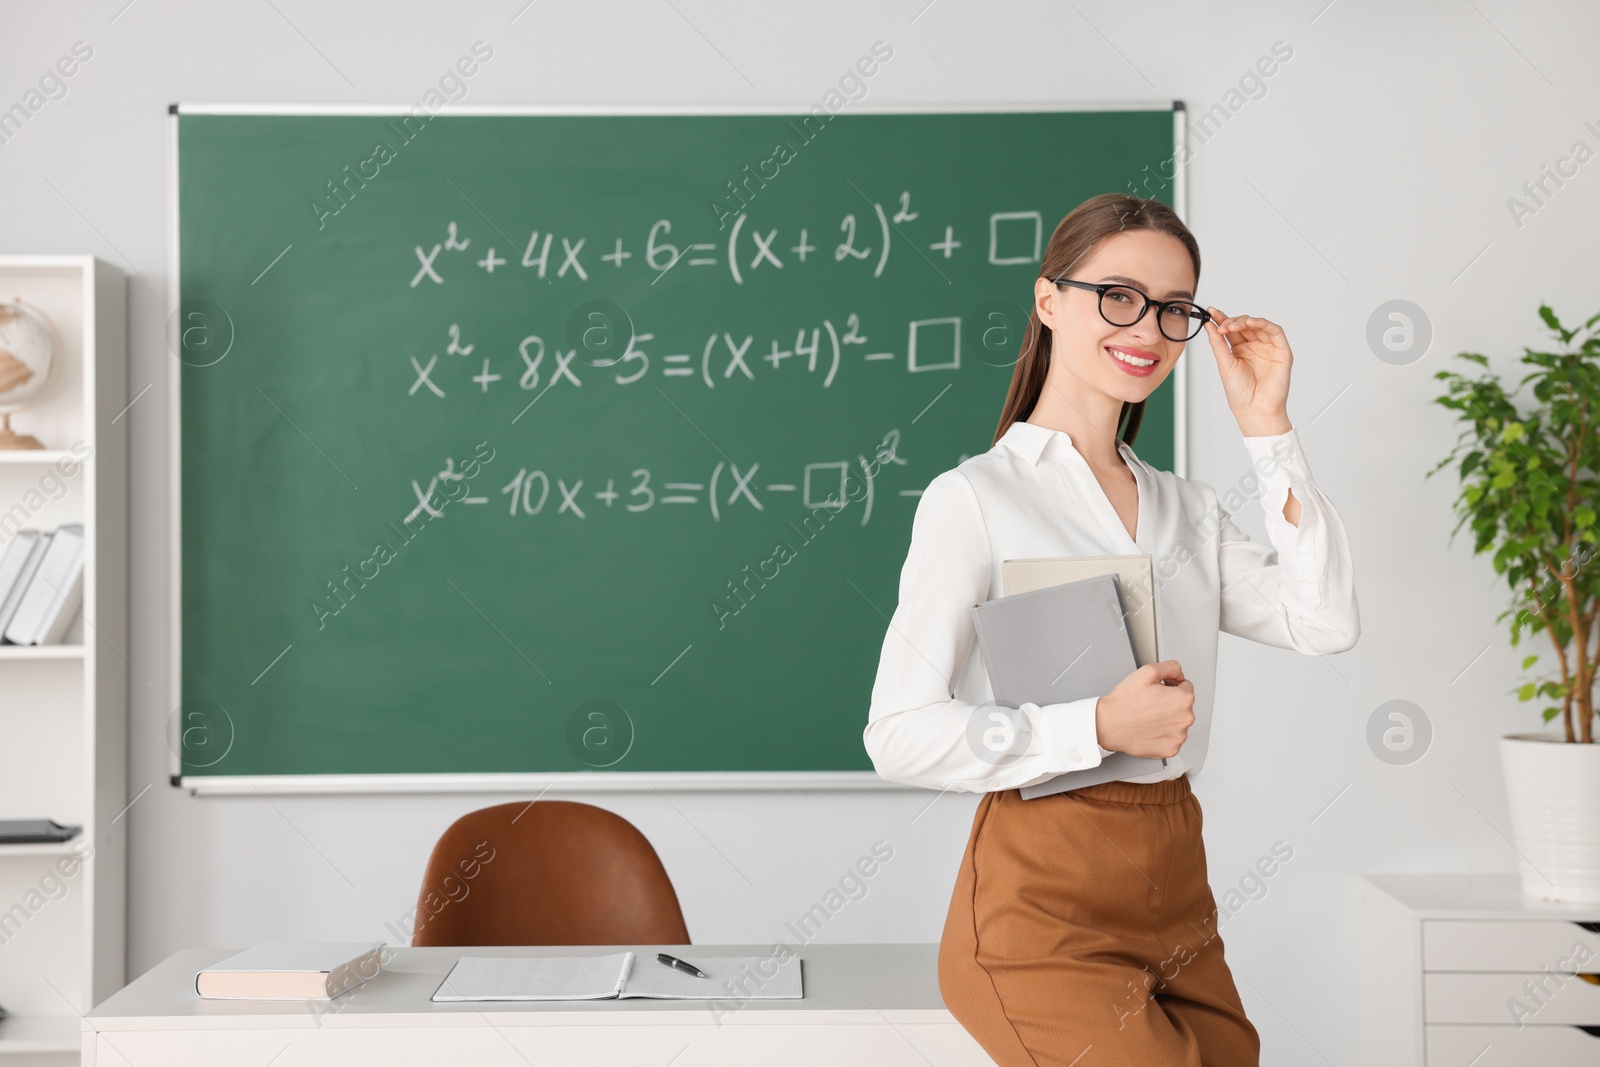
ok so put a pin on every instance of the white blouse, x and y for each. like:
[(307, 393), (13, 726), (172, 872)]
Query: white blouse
[(1034, 495)]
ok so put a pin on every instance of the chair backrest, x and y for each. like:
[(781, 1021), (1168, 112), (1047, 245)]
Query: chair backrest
[(550, 872)]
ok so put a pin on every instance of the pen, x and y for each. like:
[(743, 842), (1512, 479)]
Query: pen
[(673, 961)]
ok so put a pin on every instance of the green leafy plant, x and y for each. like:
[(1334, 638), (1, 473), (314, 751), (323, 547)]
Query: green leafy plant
[(1530, 486)]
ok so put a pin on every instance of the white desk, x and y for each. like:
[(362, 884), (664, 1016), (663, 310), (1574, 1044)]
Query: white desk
[(873, 1005)]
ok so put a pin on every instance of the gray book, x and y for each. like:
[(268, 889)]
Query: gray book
[(1055, 645)]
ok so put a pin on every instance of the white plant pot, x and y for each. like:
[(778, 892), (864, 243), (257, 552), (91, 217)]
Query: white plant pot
[(1553, 788)]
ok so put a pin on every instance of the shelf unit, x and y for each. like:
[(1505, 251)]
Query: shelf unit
[(63, 708)]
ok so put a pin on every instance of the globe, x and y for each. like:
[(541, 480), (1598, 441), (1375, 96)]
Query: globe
[(30, 348)]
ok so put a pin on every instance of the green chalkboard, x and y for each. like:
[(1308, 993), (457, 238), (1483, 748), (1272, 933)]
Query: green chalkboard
[(508, 440)]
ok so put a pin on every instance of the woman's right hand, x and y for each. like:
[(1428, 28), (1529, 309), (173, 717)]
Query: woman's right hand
[(1149, 712)]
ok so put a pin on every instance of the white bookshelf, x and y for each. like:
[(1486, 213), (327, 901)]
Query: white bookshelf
[(63, 708)]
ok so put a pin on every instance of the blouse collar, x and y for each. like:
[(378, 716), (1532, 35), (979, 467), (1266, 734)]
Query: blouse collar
[(1029, 440)]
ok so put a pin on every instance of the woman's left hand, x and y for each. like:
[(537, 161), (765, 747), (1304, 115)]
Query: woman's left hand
[(1253, 359)]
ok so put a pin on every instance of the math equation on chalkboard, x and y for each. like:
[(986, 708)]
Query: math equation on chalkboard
[(535, 491), (602, 336)]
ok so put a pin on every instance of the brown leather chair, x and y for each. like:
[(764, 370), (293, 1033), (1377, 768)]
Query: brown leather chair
[(552, 872)]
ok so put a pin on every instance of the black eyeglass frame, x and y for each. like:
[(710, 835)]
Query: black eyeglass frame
[(1101, 288)]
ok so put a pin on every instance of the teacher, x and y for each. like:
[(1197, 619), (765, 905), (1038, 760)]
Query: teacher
[(1082, 928)]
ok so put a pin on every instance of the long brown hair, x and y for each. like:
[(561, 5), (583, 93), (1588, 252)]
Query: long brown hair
[(1073, 241)]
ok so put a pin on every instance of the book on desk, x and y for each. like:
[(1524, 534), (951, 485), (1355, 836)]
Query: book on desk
[(291, 970)]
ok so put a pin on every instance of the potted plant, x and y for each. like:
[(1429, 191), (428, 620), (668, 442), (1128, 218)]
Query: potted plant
[(1530, 486)]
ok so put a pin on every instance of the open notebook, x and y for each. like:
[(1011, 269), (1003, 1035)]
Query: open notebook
[(619, 975)]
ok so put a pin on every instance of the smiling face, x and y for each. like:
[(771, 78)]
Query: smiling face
[(1087, 347)]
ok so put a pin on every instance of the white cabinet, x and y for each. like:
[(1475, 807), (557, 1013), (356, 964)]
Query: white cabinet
[(63, 744), (1459, 969)]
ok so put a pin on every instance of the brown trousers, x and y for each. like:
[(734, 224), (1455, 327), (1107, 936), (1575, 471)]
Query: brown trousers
[(1083, 931)]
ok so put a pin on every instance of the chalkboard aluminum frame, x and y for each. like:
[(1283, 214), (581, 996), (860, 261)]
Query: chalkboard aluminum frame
[(565, 782)]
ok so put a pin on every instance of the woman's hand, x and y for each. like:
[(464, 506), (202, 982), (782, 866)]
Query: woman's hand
[(1149, 712), (1253, 359)]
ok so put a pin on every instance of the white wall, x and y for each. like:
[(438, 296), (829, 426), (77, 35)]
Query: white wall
[(1377, 165)]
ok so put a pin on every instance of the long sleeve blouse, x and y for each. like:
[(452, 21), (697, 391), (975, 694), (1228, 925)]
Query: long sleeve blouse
[(1033, 495)]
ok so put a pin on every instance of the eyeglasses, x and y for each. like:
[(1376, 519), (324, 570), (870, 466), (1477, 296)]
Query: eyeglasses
[(1121, 305)]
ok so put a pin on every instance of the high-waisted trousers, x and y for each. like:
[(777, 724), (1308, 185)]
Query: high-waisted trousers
[(1083, 931)]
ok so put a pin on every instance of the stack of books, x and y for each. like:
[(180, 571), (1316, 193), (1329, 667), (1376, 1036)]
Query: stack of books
[(41, 585), (1069, 628)]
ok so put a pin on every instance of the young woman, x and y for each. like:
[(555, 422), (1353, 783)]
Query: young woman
[(1082, 929)]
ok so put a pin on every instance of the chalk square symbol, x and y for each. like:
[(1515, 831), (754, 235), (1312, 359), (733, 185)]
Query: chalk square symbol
[(941, 341), (834, 497), (1023, 230)]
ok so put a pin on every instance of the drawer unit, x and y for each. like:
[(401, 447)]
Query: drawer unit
[(1463, 970)]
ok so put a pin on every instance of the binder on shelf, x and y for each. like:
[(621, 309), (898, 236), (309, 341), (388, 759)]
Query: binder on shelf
[(21, 559), (13, 560), (53, 594)]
